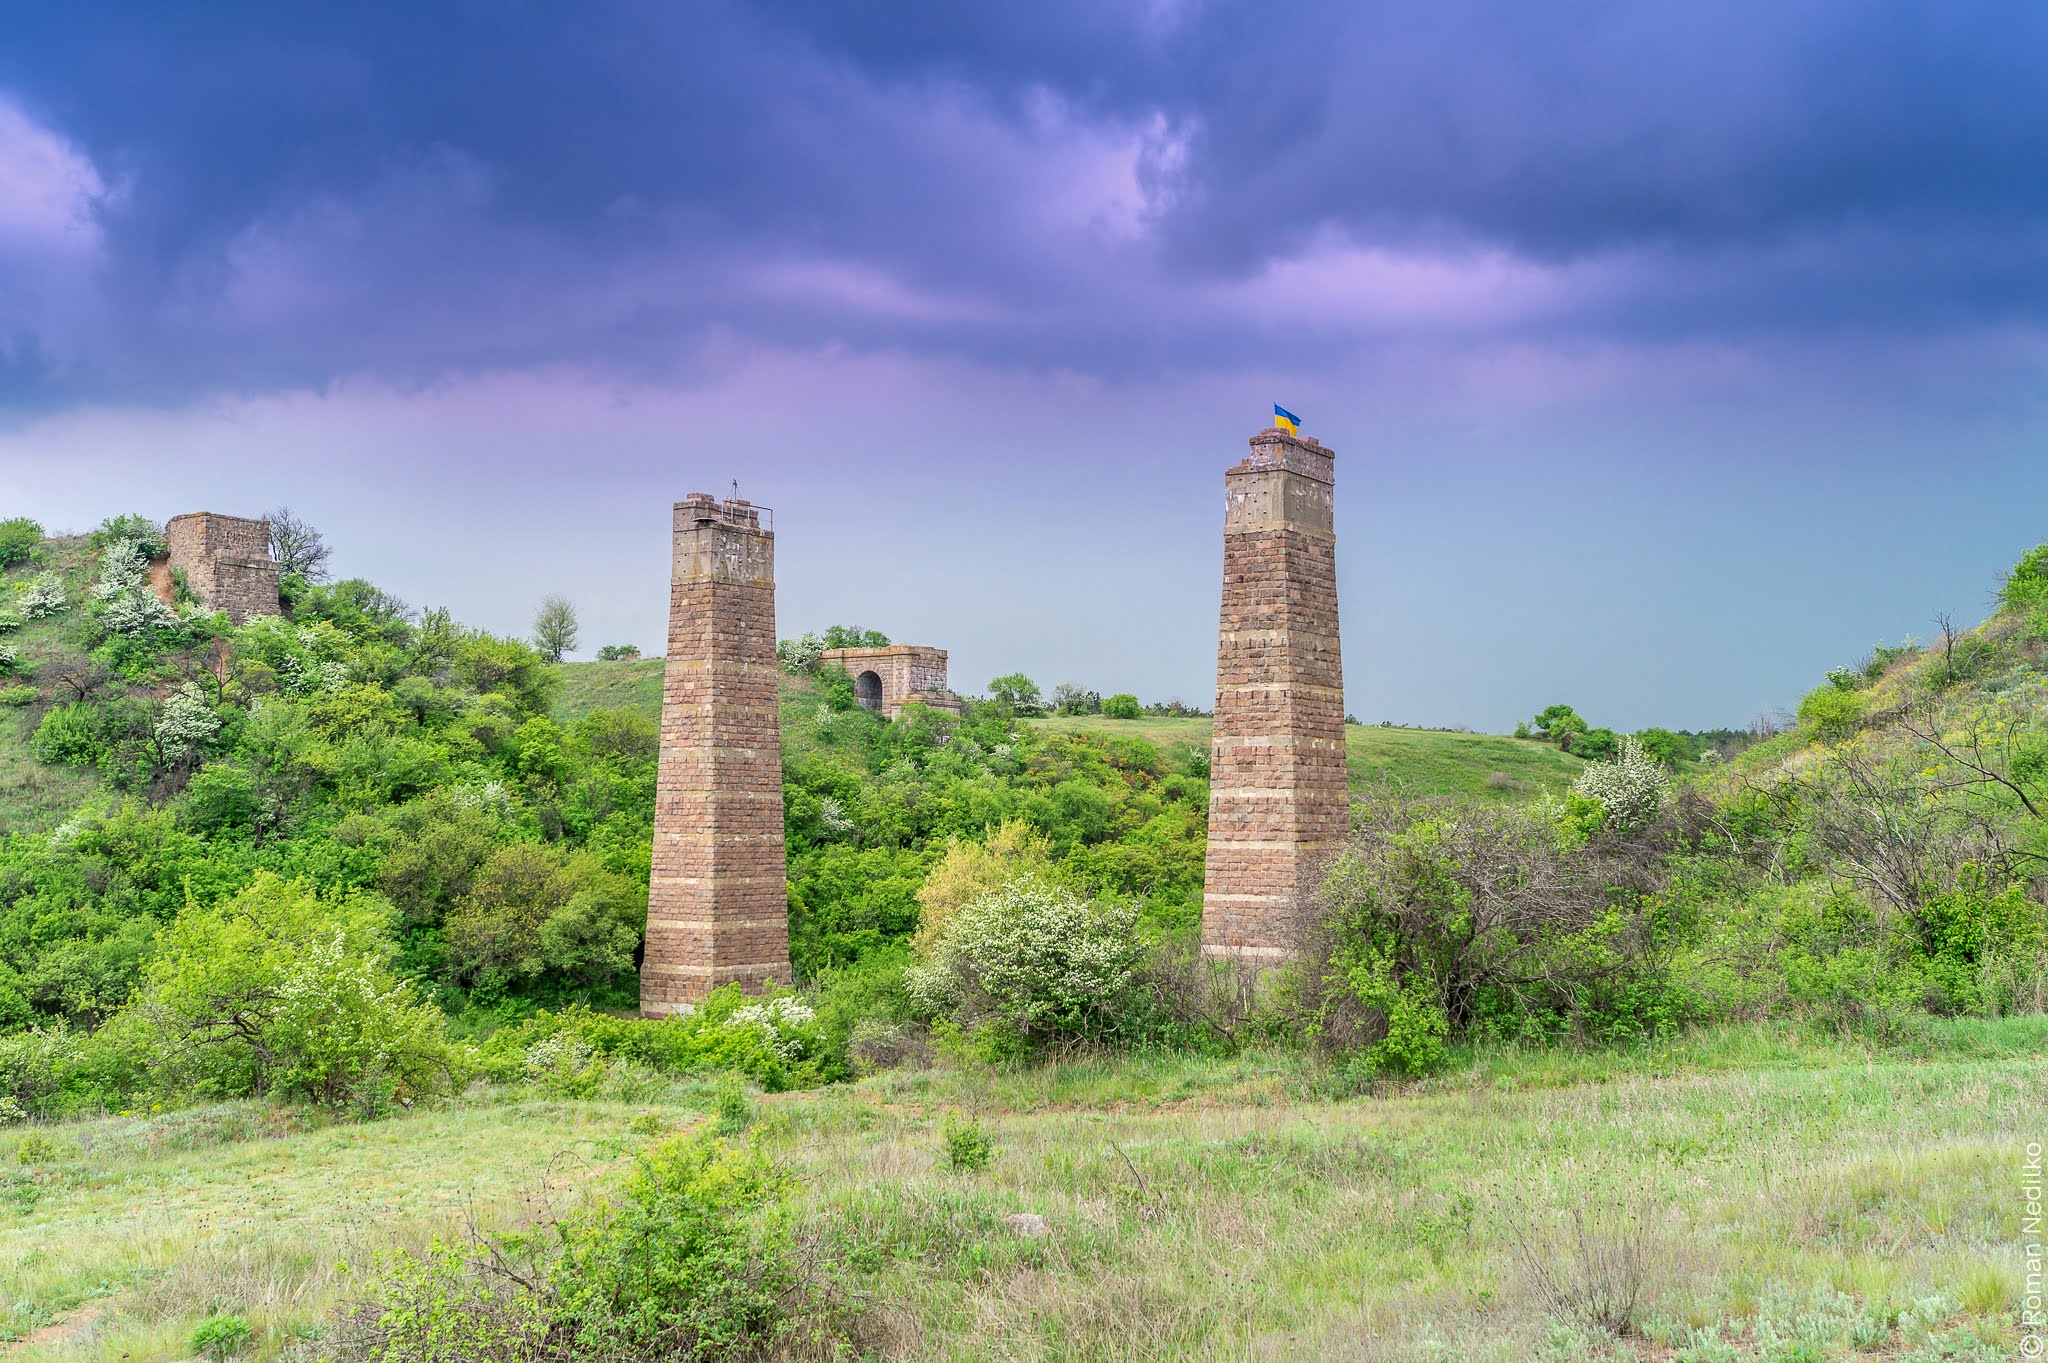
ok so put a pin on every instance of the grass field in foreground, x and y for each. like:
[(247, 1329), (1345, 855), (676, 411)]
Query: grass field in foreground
[(1770, 1194)]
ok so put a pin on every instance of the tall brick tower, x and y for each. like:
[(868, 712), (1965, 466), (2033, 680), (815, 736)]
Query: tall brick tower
[(718, 905), (1278, 805)]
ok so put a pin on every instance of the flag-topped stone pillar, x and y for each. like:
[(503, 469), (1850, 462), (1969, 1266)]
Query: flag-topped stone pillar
[(718, 898), (1278, 804)]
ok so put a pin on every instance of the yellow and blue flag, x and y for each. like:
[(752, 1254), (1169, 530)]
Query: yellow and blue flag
[(1286, 420)]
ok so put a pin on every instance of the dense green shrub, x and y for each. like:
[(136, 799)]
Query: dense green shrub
[(534, 909), (698, 1255), (776, 1041), (2026, 586), (19, 538), (966, 1144), (1833, 711), (282, 991), (1046, 964), (1123, 705), (1444, 921)]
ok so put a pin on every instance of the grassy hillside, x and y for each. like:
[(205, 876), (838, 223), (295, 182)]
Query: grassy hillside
[(1418, 761), (1766, 1194), (606, 686), (34, 796)]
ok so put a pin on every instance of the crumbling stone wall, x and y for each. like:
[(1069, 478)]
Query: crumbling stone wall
[(1279, 808), (226, 561), (904, 674), (718, 898)]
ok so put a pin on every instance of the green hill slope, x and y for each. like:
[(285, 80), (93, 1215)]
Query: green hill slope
[(34, 796), (607, 686), (1417, 761)]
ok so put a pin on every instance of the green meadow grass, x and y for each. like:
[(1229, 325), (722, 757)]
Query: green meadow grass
[(32, 796), (1414, 761), (608, 686), (1765, 1193)]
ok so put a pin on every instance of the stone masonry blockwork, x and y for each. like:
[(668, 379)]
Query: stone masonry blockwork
[(718, 903), (226, 561), (1279, 807), (895, 675)]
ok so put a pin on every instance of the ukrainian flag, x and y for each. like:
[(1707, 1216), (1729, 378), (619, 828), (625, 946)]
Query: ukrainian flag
[(1286, 420)]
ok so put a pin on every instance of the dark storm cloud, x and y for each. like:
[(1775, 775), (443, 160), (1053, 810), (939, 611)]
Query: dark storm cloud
[(279, 195)]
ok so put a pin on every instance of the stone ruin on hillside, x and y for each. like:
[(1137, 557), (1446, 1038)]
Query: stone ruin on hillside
[(889, 678), (226, 562)]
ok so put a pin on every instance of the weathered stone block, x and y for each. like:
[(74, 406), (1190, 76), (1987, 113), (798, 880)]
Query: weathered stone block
[(887, 679), (226, 561)]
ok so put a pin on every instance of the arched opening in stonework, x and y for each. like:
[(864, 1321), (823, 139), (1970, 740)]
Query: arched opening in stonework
[(867, 689)]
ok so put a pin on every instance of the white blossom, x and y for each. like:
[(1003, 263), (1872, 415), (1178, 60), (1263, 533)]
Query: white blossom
[(44, 596), (777, 1020), (188, 722), (1631, 787)]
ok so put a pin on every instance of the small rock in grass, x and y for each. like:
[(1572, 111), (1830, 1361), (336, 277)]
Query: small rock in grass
[(1027, 1225)]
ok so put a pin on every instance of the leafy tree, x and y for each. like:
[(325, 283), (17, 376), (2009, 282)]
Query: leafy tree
[(1559, 724), (618, 653), (299, 549), (1834, 711), (853, 636), (1665, 746), (1018, 693), (535, 910), (1123, 705), (800, 654), (283, 991), (1072, 698), (19, 538), (1596, 745), (1013, 851), (555, 627)]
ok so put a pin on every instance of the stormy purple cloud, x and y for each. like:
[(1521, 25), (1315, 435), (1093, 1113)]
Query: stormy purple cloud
[(1672, 354)]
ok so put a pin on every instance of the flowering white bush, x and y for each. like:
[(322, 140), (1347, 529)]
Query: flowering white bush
[(1037, 957), (305, 658), (9, 656), (9, 622), (130, 605), (779, 1020), (122, 566), (833, 818), (565, 1065), (43, 597), (187, 722), (1631, 788), (489, 797), (135, 612), (800, 654)]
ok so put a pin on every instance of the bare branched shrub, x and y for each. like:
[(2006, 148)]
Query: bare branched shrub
[(1592, 1269), (1438, 915), (1878, 818)]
